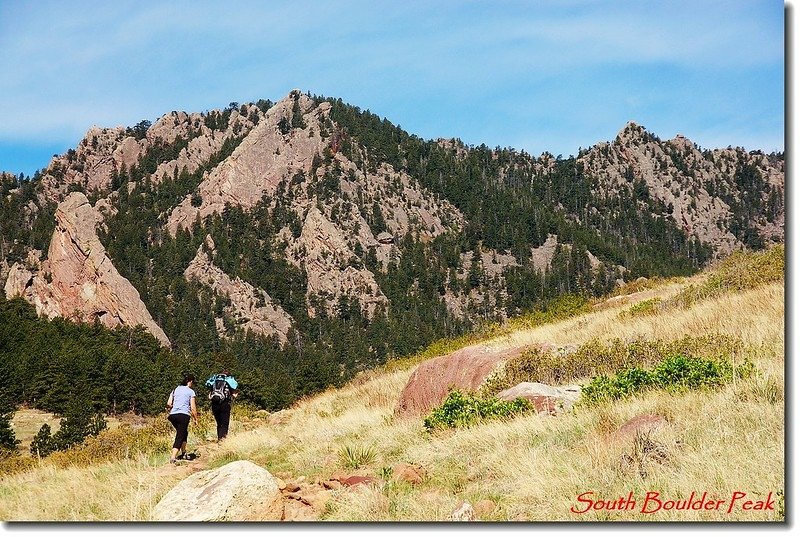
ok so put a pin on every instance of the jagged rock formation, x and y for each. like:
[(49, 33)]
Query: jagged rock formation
[(268, 155), (104, 152), (693, 184), (273, 155), (324, 254), (251, 309), (319, 209), (78, 281)]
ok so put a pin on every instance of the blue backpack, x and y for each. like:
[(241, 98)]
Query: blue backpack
[(220, 391)]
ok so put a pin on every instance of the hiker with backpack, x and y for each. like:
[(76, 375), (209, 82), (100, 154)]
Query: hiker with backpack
[(182, 407), (222, 390)]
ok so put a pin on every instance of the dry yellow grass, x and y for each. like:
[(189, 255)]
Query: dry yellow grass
[(27, 422), (532, 468)]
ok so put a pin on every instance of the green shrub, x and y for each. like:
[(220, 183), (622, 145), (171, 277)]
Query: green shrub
[(596, 358), (463, 409), (680, 371), (674, 373), (643, 308)]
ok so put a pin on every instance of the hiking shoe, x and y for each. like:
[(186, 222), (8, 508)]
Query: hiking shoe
[(191, 456), (173, 461), (180, 457)]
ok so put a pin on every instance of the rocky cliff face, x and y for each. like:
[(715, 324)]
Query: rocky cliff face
[(104, 152), (78, 281), (698, 187), (251, 309), (323, 252), (342, 211), (276, 156), (268, 155)]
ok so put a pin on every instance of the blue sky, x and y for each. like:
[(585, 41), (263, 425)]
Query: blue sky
[(548, 75)]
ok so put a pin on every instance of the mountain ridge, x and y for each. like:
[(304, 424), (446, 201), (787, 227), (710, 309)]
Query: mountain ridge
[(352, 226)]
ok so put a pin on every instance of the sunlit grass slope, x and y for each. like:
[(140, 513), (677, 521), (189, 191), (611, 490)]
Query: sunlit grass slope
[(532, 468)]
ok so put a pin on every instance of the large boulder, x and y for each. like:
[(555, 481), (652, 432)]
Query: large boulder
[(238, 491), (465, 369), (547, 399)]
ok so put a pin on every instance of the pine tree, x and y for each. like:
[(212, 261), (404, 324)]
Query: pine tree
[(8, 440), (42, 444)]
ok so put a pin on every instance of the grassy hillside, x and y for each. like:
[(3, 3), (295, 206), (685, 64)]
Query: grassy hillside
[(532, 468)]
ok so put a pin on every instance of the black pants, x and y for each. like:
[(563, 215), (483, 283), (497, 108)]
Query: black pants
[(222, 415), (181, 424)]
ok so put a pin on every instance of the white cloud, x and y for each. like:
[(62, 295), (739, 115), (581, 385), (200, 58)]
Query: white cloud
[(433, 66)]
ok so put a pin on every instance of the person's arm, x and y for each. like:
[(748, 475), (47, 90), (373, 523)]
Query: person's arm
[(194, 409), (170, 401)]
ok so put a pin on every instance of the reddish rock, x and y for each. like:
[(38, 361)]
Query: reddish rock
[(640, 423), (410, 473), (464, 369), (354, 480), (484, 508), (297, 510), (78, 281), (290, 487), (304, 501), (316, 497)]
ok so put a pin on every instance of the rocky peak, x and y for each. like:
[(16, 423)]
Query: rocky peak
[(104, 151), (680, 176), (632, 131), (280, 146)]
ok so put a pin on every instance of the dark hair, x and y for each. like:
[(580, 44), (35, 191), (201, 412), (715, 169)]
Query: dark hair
[(187, 379)]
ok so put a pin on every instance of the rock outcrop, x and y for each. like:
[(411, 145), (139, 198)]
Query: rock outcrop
[(343, 209), (251, 309), (78, 281), (548, 400), (685, 179), (105, 151), (543, 255), (270, 154), (238, 491), (282, 157), (464, 369), (324, 253)]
